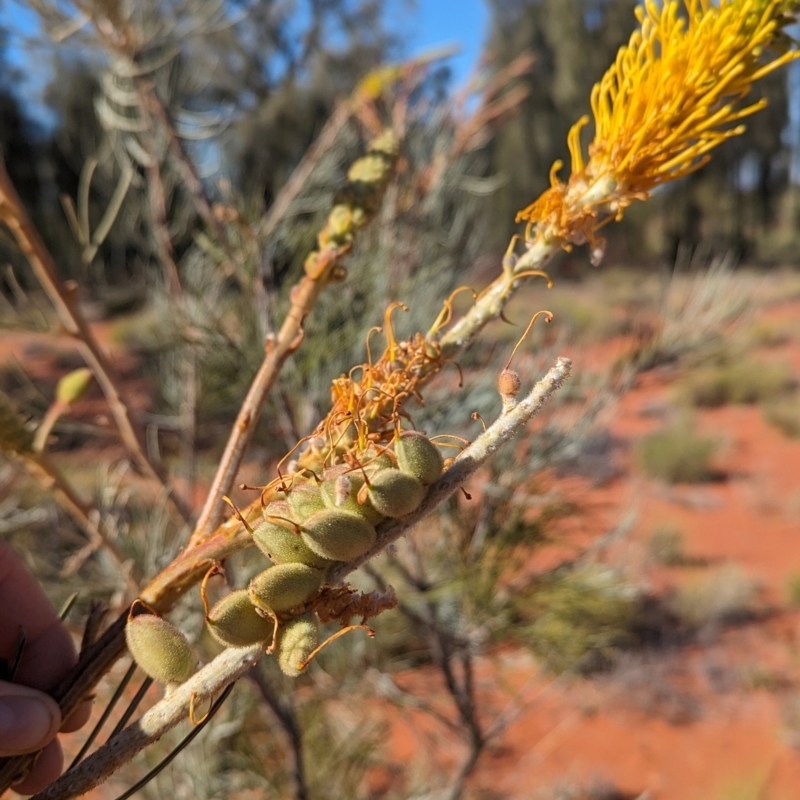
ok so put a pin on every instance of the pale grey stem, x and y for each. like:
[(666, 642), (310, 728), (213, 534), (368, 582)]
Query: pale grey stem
[(234, 662), (199, 690), (495, 297), (502, 430)]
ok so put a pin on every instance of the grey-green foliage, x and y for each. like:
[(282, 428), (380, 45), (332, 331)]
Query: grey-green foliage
[(581, 617)]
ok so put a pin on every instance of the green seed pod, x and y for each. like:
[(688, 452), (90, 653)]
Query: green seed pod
[(419, 456), (235, 622), (304, 500), (280, 544), (338, 535), (284, 586), (74, 385), (340, 490), (383, 461), (394, 493), (159, 648), (297, 640), (278, 508)]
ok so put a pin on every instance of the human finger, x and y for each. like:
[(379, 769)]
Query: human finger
[(29, 719), (78, 718), (49, 765), (48, 653)]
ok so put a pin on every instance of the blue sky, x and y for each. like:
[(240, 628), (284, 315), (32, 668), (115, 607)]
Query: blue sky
[(423, 24), (437, 22)]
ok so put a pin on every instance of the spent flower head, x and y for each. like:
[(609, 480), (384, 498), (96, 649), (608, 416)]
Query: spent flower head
[(671, 96)]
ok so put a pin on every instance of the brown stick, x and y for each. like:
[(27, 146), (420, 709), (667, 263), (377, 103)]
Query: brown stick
[(290, 190), (303, 298)]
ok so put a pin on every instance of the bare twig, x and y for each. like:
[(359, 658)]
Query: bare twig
[(191, 180), (14, 216), (287, 719), (302, 172)]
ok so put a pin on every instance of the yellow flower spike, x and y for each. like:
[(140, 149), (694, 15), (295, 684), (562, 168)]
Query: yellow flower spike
[(670, 97)]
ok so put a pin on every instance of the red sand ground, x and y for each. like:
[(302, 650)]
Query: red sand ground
[(711, 722)]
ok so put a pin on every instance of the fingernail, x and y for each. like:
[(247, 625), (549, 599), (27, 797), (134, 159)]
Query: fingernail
[(25, 723)]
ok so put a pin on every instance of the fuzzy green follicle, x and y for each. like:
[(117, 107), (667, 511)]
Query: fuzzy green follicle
[(159, 648), (419, 456), (338, 535), (234, 621), (282, 545), (284, 586), (395, 493), (304, 500), (297, 640), (340, 491)]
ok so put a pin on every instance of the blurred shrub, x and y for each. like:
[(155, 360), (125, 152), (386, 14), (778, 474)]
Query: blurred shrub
[(725, 596), (790, 715), (666, 545), (582, 618), (767, 334), (793, 588), (784, 414), (741, 381), (677, 455)]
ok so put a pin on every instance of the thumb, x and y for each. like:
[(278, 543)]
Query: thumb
[(29, 719)]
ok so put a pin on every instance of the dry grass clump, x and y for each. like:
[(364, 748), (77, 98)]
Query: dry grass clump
[(677, 455), (737, 382), (666, 546), (768, 334), (724, 596), (784, 414), (699, 306), (582, 618), (793, 589)]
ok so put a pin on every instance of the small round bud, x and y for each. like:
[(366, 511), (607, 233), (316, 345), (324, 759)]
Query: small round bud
[(74, 385), (284, 586), (234, 621), (159, 648), (419, 456), (297, 640), (338, 535), (385, 142), (394, 493), (508, 383)]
